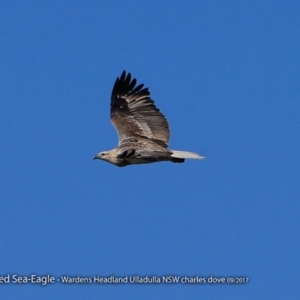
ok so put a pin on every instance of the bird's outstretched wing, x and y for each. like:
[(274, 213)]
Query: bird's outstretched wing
[(134, 113)]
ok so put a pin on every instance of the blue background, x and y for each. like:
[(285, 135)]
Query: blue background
[(226, 75)]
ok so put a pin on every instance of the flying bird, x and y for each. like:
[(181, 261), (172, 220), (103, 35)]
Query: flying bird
[(143, 130)]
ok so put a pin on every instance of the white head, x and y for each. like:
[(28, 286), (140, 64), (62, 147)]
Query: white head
[(109, 156)]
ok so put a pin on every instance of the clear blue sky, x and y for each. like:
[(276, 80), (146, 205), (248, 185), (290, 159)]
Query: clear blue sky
[(226, 75)]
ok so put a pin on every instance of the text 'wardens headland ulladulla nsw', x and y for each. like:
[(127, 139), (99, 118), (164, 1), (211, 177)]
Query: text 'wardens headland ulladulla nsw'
[(169, 279)]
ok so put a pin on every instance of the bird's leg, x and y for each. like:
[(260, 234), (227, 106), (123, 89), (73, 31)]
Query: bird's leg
[(127, 154), (131, 153), (122, 154)]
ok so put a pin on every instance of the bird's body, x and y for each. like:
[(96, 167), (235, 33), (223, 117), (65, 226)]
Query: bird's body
[(143, 130), (139, 151)]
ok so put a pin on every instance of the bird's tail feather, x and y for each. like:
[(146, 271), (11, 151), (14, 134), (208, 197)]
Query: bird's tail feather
[(185, 154)]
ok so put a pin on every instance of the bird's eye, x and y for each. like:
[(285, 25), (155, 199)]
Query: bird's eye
[(102, 154)]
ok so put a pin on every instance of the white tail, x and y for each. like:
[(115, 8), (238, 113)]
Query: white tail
[(186, 154)]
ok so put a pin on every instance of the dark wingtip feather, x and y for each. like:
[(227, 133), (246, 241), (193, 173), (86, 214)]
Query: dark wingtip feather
[(123, 75), (125, 84)]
